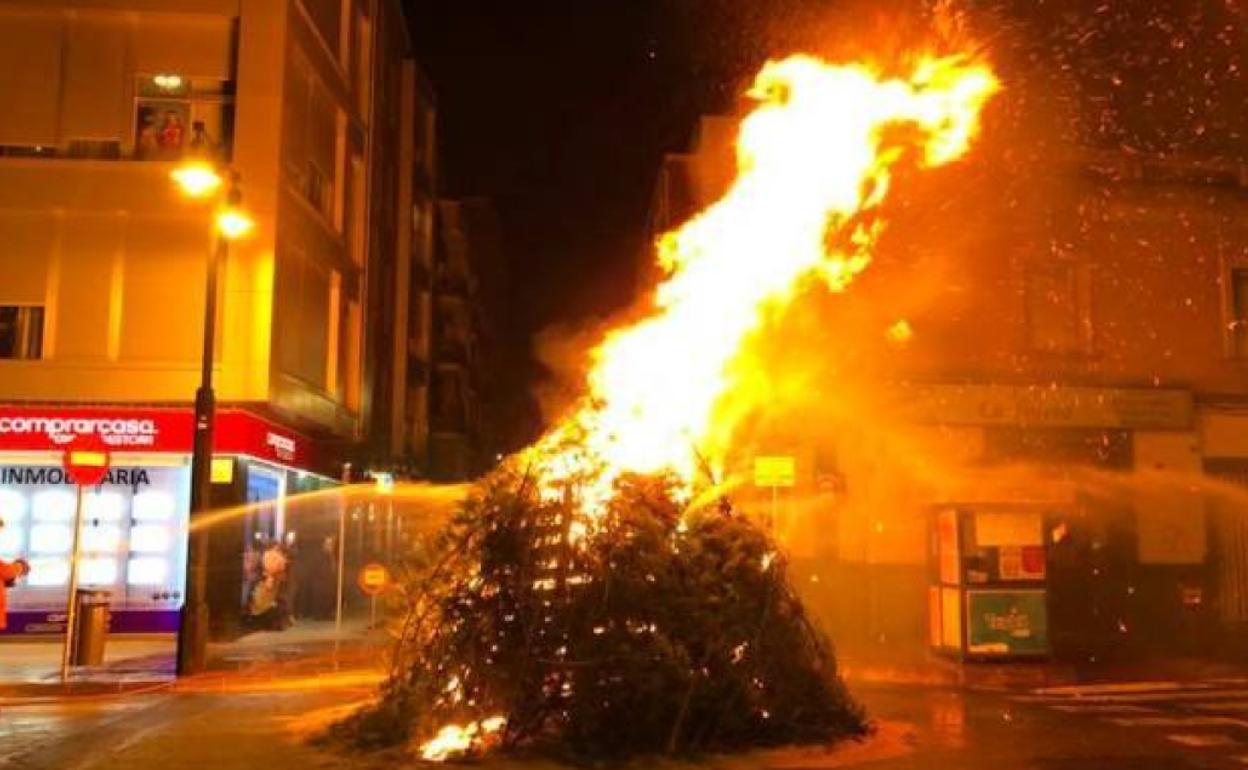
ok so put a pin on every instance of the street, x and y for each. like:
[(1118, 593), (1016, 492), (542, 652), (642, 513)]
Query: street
[(1126, 725), (1123, 726), (158, 731)]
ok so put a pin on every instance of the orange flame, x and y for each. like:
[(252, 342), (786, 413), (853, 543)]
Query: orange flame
[(813, 157), (456, 741)]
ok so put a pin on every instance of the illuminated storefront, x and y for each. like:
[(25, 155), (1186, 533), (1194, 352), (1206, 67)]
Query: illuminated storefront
[(134, 528)]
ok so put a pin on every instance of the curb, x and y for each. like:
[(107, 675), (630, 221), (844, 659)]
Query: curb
[(35, 694)]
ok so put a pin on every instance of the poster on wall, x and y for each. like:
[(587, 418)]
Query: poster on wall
[(1007, 623), (1021, 562), (162, 129)]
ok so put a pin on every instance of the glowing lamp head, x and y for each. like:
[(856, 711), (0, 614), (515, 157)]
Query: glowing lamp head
[(167, 82), (197, 179), (233, 223)]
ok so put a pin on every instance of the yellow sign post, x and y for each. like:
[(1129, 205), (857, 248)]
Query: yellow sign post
[(777, 471), (374, 578)]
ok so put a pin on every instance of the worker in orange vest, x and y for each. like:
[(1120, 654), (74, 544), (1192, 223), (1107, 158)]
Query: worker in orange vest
[(9, 572)]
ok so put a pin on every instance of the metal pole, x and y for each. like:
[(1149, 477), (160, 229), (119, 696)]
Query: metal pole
[(71, 608), (342, 552), (193, 624)]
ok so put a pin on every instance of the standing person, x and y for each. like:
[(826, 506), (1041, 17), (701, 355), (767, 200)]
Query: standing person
[(171, 135), (9, 573), (274, 564)]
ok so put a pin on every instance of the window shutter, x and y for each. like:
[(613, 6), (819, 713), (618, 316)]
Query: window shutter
[(30, 78)]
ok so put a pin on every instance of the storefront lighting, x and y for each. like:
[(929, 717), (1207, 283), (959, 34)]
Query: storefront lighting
[(147, 571), (197, 179), (384, 483), (168, 82), (233, 223)]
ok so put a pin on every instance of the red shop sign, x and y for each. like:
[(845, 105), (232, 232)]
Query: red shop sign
[(42, 428), (121, 429), (244, 433)]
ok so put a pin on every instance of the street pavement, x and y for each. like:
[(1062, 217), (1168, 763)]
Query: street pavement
[(1140, 725), (263, 721)]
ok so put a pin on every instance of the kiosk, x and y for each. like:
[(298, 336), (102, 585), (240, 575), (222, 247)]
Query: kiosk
[(987, 594)]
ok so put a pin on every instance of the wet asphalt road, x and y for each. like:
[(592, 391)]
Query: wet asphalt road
[(1131, 726), (1123, 726)]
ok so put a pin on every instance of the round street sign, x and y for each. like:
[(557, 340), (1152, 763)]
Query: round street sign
[(373, 579), (85, 464)]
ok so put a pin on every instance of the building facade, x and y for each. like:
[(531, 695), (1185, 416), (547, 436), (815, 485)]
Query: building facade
[(468, 284), (1040, 449), (313, 105)]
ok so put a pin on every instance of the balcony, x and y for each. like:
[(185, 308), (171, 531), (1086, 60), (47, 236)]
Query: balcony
[(170, 115)]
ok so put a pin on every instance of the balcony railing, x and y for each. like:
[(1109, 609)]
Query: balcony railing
[(171, 117)]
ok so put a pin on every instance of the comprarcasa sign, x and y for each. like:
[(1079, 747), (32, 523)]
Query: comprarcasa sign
[(148, 429), (27, 428), (113, 432)]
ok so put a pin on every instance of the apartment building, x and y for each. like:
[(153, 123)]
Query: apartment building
[(319, 111), (469, 296)]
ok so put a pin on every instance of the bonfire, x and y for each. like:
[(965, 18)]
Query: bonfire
[(590, 597)]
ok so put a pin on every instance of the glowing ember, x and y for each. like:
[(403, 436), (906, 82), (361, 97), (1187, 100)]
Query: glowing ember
[(814, 155), (458, 740), (900, 333)]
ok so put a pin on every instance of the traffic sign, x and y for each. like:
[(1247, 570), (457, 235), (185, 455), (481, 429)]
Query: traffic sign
[(85, 464), (373, 579), (778, 471)]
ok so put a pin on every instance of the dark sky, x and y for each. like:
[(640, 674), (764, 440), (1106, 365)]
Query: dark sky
[(560, 110)]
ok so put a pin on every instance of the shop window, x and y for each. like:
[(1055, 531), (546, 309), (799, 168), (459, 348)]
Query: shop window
[(1238, 325), (1056, 317), (21, 332), (147, 571), (175, 114)]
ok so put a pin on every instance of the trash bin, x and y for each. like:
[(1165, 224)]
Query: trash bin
[(91, 627)]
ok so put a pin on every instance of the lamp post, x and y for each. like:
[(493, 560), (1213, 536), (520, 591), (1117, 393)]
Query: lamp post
[(199, 179)]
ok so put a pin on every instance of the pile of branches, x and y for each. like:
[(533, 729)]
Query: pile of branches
[(651, 631)]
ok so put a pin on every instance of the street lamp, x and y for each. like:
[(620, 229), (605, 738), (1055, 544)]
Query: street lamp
[(199, 179)]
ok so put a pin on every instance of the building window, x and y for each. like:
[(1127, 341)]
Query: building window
[(1239, 313), (318, 189), (1054, 296), (363, 64), (21, 332), (174, 114)]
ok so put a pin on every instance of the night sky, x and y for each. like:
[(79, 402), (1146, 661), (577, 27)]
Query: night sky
[(560, 110)]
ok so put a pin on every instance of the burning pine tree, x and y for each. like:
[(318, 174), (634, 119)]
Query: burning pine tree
[(665, 632), (578, 600)]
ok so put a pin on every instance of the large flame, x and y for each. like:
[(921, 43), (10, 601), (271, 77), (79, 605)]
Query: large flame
[(813, 158)]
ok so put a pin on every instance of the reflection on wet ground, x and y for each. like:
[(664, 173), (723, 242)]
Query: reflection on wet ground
[(1123, 726)]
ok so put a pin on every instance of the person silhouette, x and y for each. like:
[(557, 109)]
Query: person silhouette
[(9, 573)]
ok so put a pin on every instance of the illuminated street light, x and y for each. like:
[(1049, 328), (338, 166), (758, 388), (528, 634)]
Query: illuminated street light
[(202, 178), (197, 179), (233, 224)]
